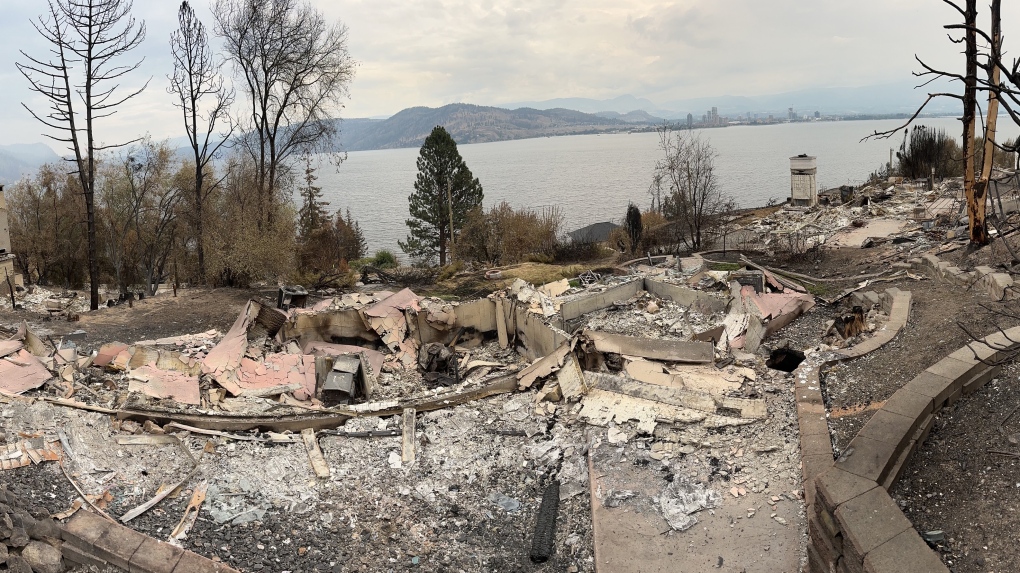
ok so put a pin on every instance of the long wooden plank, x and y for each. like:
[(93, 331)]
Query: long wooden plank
[(407, 445), (319, 464), (333, 419)]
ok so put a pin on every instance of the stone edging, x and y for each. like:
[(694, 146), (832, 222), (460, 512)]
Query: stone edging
[(815, 442), (88, 539), (999, 286), (853, 523)]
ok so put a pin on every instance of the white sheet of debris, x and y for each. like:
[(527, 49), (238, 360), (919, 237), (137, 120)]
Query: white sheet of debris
[(680, 500)]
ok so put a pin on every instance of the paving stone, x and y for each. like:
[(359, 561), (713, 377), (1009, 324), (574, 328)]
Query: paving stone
[(980, 380), (997, 284), (867, 458), (815, 465), (909, 404), (868, 521), (928, 383), (977, 350), (983, 270), (890, 427), (814, 444), (74, 555), (837, 486), (84, 529), (118, 545), (956, 369), (155, 557), (904, 553)]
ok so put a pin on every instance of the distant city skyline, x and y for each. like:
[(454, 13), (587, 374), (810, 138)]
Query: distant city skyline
[(497, 52)]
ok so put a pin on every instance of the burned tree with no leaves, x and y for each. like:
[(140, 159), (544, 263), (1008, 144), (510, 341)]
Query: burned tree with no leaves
[(295, 70), (999, 80), (80, 80), (204, 101), (694, 203)]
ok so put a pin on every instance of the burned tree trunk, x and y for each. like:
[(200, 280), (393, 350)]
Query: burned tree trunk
[(975, 194), (988, 154)]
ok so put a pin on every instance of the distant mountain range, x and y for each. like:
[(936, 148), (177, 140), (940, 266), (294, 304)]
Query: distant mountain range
[(477, 124), (891, 98), (469, 123), (23, 159)]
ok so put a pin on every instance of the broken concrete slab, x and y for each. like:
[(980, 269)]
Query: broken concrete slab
[(655, 349), (543, 367)]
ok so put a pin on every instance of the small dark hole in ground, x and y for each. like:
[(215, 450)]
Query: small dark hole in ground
[(785, 359)]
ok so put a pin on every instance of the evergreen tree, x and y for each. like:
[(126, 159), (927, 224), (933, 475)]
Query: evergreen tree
[(313, 209), (444, 187)]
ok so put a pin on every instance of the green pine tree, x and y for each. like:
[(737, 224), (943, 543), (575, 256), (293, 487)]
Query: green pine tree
[(444, 184), (312, 214)]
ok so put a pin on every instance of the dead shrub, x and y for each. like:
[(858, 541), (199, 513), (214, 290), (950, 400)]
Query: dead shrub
[(504, 235)]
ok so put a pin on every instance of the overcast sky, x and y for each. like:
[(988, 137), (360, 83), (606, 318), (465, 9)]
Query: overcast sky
[(488, 52)]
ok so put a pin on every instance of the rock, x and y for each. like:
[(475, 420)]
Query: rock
[(43, 558), (17, 564), (43, 529), (3, 553), (19, 538), (6, 525), (652, 308)]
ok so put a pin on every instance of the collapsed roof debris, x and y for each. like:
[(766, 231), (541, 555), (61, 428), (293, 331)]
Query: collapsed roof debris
[(626, 356)]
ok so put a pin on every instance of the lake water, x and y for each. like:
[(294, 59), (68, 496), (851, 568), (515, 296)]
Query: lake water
[(593, 177)]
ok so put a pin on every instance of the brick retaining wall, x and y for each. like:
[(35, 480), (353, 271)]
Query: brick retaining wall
[(853, 524)]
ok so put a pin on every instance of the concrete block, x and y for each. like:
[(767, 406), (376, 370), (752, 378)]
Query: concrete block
[(889, 427), (117, 545), (811, 419), (978, 350), (931, 260), (996, 285), (815, 465), (868, 458), (893, 475), (829, 548), (929, 383), (909, 404), (84, 529), (983, 270), (959, 371), (868, 521), (924, 428), (978, 381), (815, 562), (837, 486), (904, 553), (816, 444), (155, 557), (73, 554), (867, 299)]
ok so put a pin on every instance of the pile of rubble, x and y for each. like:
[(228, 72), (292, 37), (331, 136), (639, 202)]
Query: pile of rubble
[(663, 366), (29, 538)]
